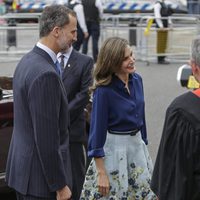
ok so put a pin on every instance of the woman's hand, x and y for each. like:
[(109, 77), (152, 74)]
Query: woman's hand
[(103, 183), (102, 179)]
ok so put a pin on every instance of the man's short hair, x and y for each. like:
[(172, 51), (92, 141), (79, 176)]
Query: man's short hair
[(52, 16), (195, 51)]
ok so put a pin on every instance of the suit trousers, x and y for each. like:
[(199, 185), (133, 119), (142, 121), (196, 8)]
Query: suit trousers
[(162, 37), (94, 32), (78, 162), (30, 197)]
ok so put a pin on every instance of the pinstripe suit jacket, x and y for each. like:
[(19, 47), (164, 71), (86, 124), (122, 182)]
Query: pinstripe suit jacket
[(39, 162), (77, 78)]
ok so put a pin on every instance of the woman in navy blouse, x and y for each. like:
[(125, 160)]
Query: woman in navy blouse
[(121, 168)]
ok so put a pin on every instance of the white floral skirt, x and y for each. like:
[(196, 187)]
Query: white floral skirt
[(128, 166)]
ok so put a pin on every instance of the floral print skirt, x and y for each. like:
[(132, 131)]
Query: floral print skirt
[(128, 166)]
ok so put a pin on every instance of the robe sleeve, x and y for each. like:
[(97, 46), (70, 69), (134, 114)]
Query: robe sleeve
[(173, 175)]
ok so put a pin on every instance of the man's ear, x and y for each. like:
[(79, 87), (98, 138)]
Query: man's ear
[(193, 67), (195, 71), (55, 31)]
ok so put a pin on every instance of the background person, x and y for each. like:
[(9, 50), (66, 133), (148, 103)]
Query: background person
[(177, 167), (121, 168), (93, 10), (38, 165), (82, 31), (161, 12), (77, 78)]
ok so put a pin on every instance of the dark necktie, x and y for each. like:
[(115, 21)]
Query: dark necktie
[(58, 67), (62, 62)]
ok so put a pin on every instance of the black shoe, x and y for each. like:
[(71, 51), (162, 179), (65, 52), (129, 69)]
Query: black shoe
[(163, 62)]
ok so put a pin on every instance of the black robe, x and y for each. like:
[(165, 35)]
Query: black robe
[(176, 174)]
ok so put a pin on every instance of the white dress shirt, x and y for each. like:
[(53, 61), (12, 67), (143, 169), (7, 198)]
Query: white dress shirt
[(66, 56), (99, 5), (157, 14), (78, 9), (157, 11)]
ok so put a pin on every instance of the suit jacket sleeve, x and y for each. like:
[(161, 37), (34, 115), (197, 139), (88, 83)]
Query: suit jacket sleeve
[(45, 100), (82, 97)]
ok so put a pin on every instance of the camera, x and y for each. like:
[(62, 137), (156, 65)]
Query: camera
[(186, 78)]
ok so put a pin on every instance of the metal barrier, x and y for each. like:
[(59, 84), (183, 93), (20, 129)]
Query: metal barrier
[(180, 35), (16, 39), (120, 25)]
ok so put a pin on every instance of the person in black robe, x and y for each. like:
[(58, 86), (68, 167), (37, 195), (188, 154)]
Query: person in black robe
[(176, 174)]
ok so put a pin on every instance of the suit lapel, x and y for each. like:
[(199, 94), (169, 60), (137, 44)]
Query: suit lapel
[(71, 64), (50, 61)]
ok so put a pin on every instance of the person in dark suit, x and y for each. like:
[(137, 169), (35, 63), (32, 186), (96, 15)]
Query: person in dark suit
[(82, 31), (77, 78), (38, 165), (93, 10), (161, 12)]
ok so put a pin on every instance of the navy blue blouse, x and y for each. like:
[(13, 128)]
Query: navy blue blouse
[(113, 108)]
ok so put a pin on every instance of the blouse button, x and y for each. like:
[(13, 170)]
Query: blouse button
[(136, 115)]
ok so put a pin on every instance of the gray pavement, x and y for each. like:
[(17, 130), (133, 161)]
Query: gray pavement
[(160, 88)]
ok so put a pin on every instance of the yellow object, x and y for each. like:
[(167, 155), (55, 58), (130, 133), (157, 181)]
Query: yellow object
[(192, 83), (149, 24), (14, 5)]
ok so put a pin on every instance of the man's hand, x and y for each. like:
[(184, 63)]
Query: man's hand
[(63, 194), (86, 34)]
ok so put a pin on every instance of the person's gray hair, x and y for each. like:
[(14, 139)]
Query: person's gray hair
[(195, 51), (52, 16)]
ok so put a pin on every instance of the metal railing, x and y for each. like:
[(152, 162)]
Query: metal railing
[(16, 39), (180, 34)]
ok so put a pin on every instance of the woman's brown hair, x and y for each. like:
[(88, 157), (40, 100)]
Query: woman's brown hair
[(109, 60)]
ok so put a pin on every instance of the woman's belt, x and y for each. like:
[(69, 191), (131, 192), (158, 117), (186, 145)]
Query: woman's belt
[(131, 133)]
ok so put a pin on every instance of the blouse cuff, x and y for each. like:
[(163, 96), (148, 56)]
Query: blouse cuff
[(145, 141), (96, 153)]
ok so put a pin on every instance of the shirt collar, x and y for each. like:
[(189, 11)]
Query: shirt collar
[(66, 54), (48, 50), (119, 83)]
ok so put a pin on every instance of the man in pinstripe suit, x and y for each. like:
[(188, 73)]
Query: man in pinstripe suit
[(38, 165)]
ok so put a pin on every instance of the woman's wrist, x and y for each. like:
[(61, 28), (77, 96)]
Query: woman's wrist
[(101, 172)]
